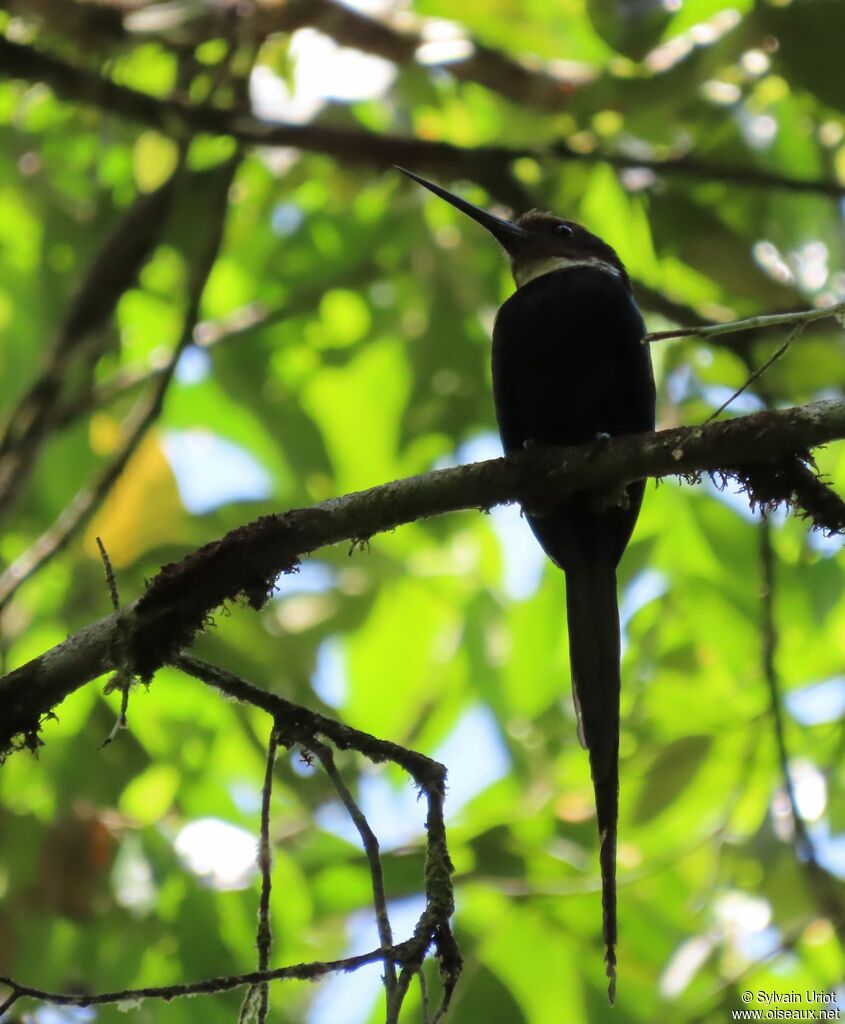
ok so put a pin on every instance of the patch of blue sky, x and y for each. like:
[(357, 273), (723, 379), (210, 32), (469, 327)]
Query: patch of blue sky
[(329, 677), (194, 365), (313, 577), (823, 545), (350, 997), (211, 471), (286, 219), (717, 394), (759, 945), (644, 588), (476, 757), (64, 1015), (475, 754), (830, 849), (818, 703), (523, 557)]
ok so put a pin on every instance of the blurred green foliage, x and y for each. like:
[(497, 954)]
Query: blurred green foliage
[(374, 366)]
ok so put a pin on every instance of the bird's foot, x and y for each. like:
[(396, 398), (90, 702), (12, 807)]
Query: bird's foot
[(599, 440)]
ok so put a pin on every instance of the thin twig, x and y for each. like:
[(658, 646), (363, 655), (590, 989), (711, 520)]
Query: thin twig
[(264, 935), (424, 1002), (747, 384), (769, 652), (264, 938), (139, 421), (123, 677), (369, 841), (752, 323), (210, 986), (755, 375), (429, 775), (110, 580), (299, 725)]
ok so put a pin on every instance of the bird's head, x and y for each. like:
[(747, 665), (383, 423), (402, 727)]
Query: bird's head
[(537, 242)]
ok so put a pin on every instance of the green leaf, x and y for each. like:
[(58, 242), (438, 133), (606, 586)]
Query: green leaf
[(671, 771)]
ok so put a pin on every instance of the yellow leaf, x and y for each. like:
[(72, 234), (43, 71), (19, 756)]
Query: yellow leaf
[(154, 159), (142, 510)]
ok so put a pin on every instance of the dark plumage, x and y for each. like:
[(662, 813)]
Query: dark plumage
[(569, 366)]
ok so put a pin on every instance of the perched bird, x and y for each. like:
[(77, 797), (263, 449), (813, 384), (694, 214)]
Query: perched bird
[(570, 367)]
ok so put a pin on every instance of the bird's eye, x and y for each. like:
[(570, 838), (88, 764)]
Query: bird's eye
[(563, 230)]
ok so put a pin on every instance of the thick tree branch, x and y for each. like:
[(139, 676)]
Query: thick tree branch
[(352, 145), (247, 561)]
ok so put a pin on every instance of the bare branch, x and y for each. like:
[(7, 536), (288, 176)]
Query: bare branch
[(298, 725), (370, 843), (246, 563), (264, 936), (210, 986), (752, 323)]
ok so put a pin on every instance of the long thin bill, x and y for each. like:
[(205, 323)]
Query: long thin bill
[(502, 230)]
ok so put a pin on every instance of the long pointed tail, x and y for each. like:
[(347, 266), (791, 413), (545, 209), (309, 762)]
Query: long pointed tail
[(594, 652)]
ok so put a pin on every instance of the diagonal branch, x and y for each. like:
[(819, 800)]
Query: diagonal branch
[(353, 145), (112, 272), (142, 417), (246, 563)]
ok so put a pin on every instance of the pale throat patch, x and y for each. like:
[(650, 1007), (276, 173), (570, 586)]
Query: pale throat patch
[(527, 270)]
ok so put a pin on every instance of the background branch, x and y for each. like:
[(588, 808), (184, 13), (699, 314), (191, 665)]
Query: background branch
[(357, 145), (113, 270), (825, 888), (147, 410)]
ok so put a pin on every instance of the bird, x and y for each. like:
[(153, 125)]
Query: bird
[(570, 367)]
